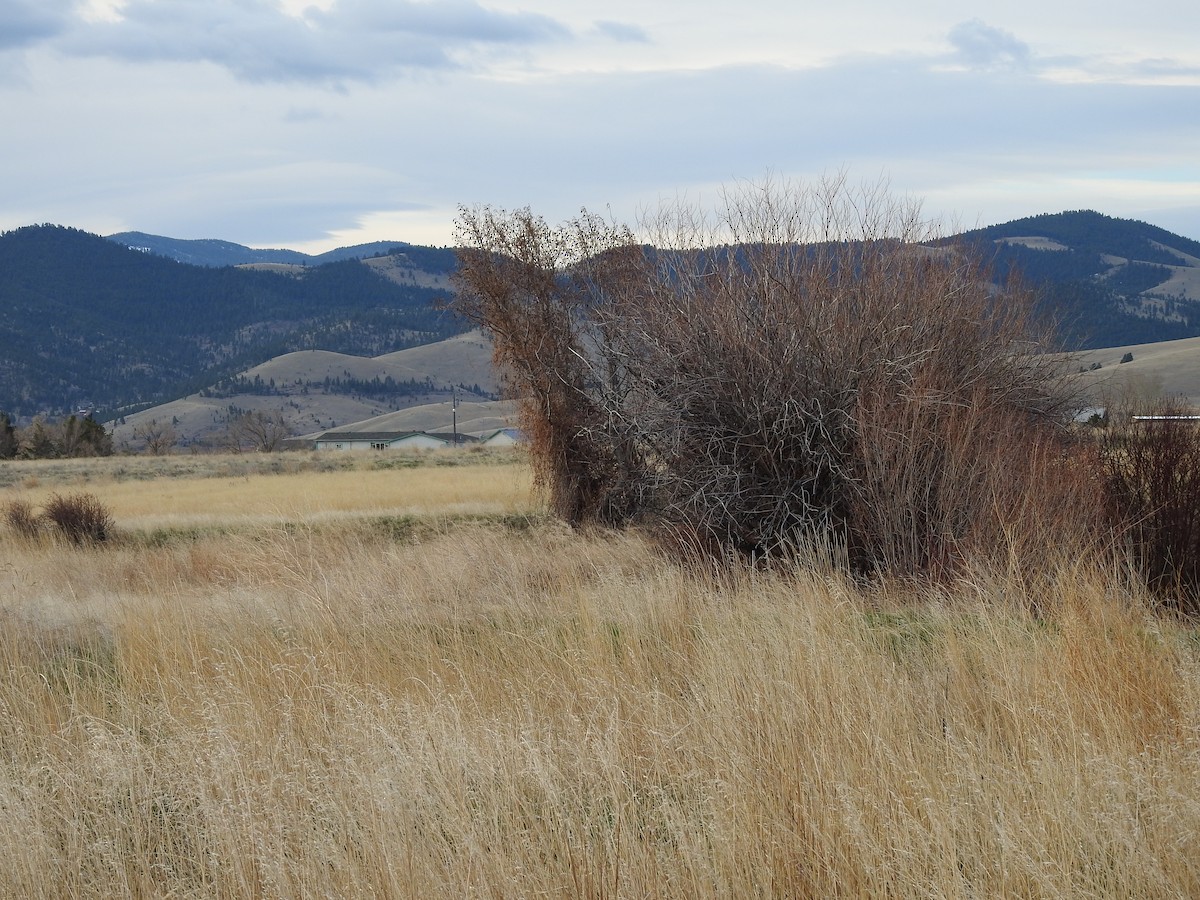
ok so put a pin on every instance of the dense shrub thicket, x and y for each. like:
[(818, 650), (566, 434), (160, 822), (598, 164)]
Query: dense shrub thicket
[(1152, 469), (804, 363), (80, 518)]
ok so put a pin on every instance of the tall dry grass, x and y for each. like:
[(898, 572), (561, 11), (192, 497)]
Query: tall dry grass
[(498, 706)]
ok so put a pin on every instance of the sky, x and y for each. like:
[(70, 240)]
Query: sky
[(314, 124)]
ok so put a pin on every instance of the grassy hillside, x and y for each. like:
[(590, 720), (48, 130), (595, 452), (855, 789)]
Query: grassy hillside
[(472, 418), (315, 390), (408, 683), (1169, 369)]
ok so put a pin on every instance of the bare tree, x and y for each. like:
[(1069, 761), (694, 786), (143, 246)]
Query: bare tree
[(262, 431), (157, 438)]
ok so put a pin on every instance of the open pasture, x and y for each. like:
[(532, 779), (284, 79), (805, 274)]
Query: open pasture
[(275, 488), (409, 682)]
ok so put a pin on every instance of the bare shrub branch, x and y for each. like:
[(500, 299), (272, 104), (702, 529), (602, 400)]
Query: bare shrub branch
[(22, 519), (264, 432), (158, 438)]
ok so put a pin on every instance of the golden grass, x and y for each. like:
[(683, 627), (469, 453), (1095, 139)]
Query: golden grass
[(228, 489), (303, 496), (496, 706)]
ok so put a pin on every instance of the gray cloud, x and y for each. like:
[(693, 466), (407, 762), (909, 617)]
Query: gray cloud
[(303, 114), (638, 135), (1161, 68), (982, 46), (178, 152), (621, 32), (26, 22), (453, 20), (355, 40)]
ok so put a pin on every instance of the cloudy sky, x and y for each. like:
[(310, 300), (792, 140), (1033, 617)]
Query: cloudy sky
[(319, 123)]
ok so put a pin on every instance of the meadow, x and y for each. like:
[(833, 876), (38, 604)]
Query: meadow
[(357, 676)]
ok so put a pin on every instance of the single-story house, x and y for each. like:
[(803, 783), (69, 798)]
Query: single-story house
[(501, 437), (381, 440)]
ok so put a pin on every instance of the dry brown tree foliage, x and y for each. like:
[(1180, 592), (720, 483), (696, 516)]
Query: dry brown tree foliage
[(806, 362)]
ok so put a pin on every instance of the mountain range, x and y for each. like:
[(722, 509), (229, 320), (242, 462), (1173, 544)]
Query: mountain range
[(216, 253), (87, 322), (128, 322)]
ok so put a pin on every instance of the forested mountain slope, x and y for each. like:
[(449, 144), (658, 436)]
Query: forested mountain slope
[(1109, 281)]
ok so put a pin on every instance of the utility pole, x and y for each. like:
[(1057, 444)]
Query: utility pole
[(454, 413)]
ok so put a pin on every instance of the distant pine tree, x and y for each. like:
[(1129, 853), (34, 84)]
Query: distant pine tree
[(8, 437)]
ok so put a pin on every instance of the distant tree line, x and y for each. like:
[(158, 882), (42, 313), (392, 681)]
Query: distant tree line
[(258, 430), (376, 388), (71, 437), (1092, 233)]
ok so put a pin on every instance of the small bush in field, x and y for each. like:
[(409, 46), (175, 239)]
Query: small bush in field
[(21, 518), (1153, 471), (81, 518)]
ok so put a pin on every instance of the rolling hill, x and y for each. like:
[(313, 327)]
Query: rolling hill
[(1168, 369), (316, 390), (218, 253)]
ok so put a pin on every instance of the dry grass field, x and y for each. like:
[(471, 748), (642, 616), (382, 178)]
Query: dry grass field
[(292, 676), (1164, 369)]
